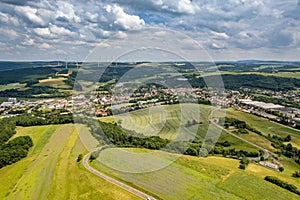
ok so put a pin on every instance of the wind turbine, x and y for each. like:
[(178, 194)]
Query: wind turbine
[(77, 64), (66, 62)]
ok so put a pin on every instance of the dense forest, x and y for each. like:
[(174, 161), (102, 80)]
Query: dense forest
[(13, 150), (237, 81), (32, 91), (37, 118)]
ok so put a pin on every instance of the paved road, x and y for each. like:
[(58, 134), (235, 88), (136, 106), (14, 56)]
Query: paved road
[(266, 152), (111, 180)]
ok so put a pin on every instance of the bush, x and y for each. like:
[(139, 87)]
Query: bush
[(242, 166), (79, 158), (296, 174), (281, 169)]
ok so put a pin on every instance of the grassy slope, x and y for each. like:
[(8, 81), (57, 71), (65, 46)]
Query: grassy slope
[(203, 178), (51, 172), (176, 118), (264, 125)]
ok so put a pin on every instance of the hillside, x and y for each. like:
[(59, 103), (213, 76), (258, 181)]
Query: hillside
[(50, 171)]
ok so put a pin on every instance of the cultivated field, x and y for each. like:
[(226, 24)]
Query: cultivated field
[(200, 178), (172, 121), (265, 126), (54, 82)]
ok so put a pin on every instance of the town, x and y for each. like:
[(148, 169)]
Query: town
[(102, 103)]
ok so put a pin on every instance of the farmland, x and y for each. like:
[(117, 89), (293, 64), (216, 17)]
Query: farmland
[(176, 118), (51, 166), (199, 178), (52, 163)]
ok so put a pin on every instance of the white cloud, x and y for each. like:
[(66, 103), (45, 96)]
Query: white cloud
[(30, 14), (61, 31), (28, 42), (220, 35), (6, 18), (45, 46), (126, 21), (120, 35), (43, 32), (185, 6), (218, 45), (9, 33), (66, 10), (239, 25)]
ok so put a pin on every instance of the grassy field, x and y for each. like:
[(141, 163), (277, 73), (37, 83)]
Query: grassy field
[(50, 171), (264, 125), (279, 74), (171, 122), (165, 121), (200, 178), (139, 119), (12, 86), (54, 82)]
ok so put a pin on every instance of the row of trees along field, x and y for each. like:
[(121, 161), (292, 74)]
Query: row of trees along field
[(282, 184), (111, 133), (13, 150)]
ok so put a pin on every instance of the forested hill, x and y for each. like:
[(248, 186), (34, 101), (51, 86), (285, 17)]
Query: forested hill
[(235, 82)]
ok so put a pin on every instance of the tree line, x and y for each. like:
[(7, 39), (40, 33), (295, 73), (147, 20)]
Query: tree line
[(38, 118), (282, 184), (237, 81), (13, 150)]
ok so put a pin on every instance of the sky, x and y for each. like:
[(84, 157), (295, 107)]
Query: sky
[(147, 30)]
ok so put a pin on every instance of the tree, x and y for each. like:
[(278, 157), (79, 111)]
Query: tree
[(92, 158), (281, 169), (242, 166), (245, 160), (296, 174), (288, 138), (79, 158)]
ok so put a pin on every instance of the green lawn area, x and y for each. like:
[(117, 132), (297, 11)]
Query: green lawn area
[(51, 172)]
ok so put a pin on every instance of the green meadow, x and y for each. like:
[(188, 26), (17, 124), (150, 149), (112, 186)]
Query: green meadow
[(197, 178), (50, 171)]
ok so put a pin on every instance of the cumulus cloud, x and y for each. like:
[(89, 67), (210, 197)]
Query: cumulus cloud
[(66, 11), (28, 42), (220, 35), (185, 6), (43, 32), (126, 21), (8, 19), (30, 14), (76, 26), (44, 46), (9, 33), (60, 31), (16, 2)]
